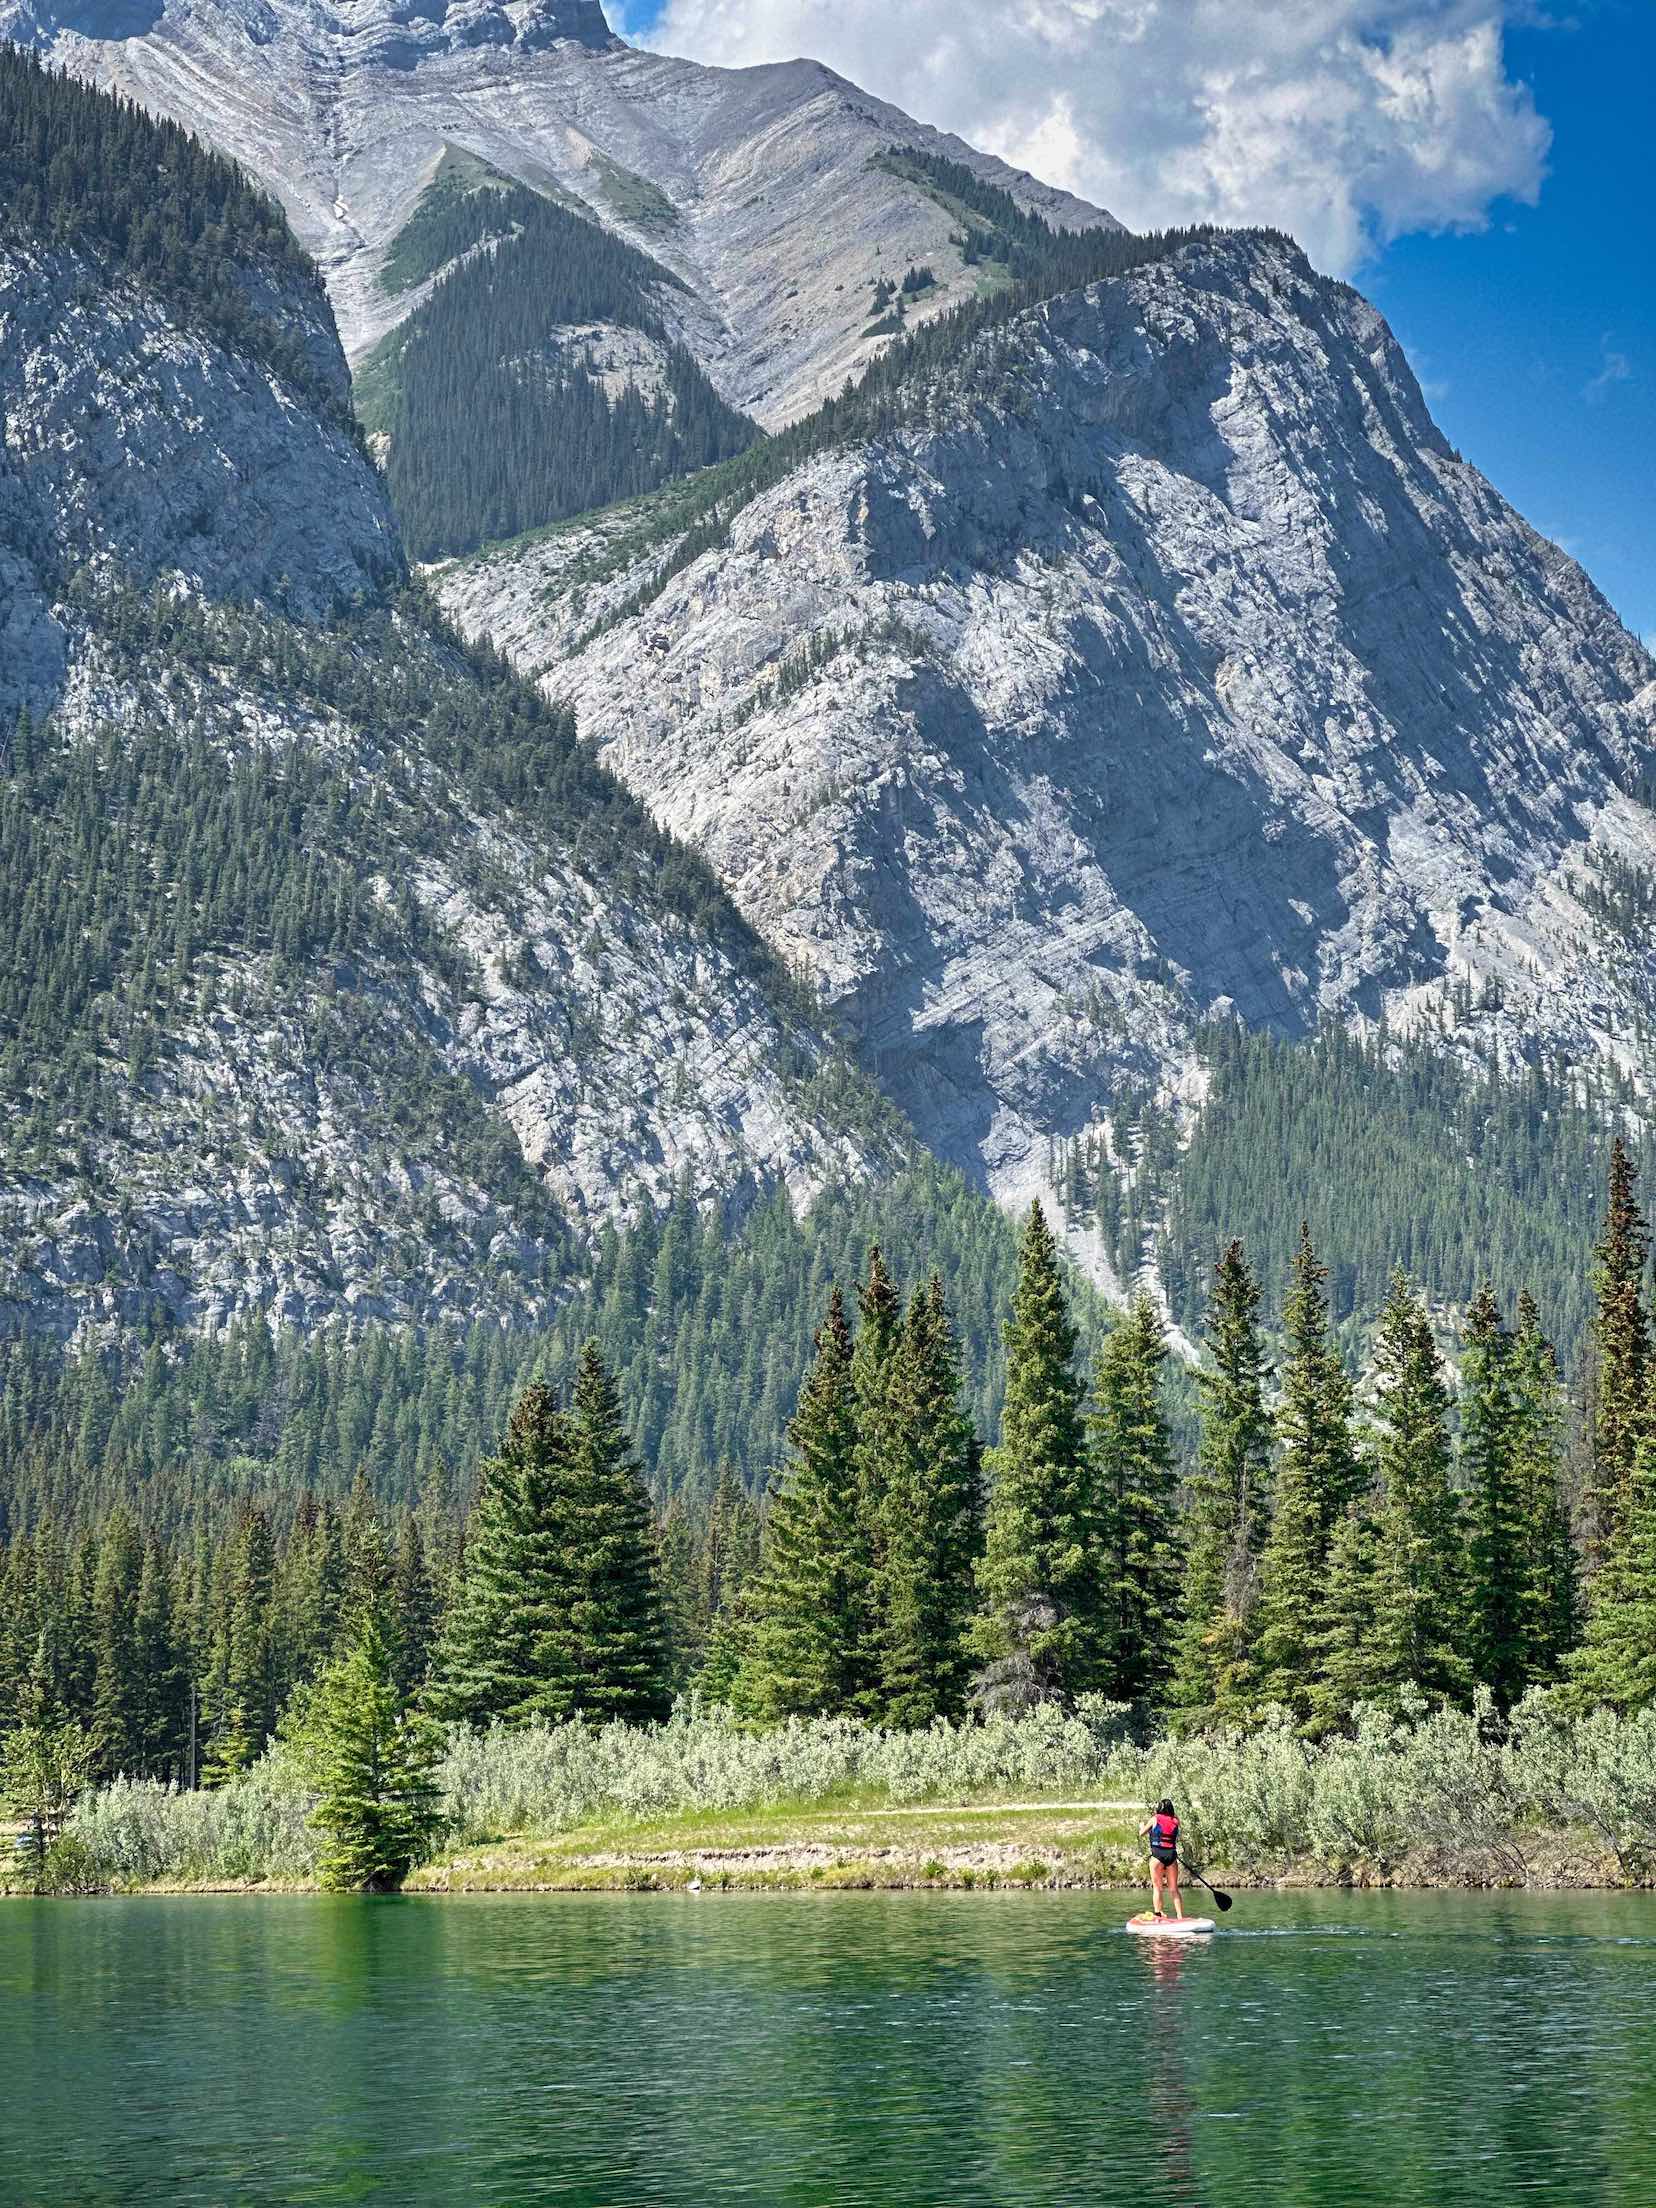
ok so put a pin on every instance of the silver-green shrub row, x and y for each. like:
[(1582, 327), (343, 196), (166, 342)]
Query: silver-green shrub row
[(1455, 1792)]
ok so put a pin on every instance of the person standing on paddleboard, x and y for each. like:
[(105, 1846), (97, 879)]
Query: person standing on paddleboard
[(1162, 1832)]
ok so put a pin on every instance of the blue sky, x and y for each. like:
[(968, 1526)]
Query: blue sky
[(1534, 334), (1536, 340)]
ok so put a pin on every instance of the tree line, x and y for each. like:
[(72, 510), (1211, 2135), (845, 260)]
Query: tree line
[(1336, 1541), (90, 170)]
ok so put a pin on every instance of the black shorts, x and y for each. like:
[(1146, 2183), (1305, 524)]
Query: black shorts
[(1164, 1855)]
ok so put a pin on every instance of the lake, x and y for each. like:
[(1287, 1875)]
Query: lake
[(949, 2049)]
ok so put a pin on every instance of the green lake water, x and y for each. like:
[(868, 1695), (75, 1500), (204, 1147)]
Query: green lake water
[(1328, 2050)]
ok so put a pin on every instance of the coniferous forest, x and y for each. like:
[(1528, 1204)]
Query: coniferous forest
[(494, 421), (1443, 1521)]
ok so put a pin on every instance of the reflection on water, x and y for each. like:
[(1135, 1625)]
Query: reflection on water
[(968, 2051), (1171, 2108)]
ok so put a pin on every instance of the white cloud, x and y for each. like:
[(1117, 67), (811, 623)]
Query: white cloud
[(1614, 368), (1348, 122)]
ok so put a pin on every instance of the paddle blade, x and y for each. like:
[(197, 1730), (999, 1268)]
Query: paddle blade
[(1222, 1900)]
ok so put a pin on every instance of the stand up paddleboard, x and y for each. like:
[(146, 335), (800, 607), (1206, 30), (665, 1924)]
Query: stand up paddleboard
[(1171, 1928)]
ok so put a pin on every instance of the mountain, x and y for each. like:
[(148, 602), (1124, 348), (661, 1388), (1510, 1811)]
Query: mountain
[(758, 191), (1156, 662), (1120, 666), (335, 977)]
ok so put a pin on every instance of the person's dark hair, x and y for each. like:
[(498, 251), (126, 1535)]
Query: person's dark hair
[(1164, 1808)]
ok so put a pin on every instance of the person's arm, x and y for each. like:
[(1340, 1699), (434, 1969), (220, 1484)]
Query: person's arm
[(1144, 1829)]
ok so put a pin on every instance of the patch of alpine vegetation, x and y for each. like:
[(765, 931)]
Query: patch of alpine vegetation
[(919, 379), (537, 378)]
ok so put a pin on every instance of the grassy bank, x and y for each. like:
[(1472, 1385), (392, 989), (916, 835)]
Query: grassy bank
[(1550, 1797)]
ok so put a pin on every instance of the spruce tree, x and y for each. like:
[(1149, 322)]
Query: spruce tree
[(1551, 1620), (613, 1643), (1421, 1624), (804, 1652), (1135, 1484), (933, 1523), (118, 1683), (1041, 1629), (877, 1455), (1316, 1477), (1229, 1499), (373, 1762), (1621, 1350), (241, 1701), (1491, 1477), (1616, 1662), (1346, 1657), (514, 1581)]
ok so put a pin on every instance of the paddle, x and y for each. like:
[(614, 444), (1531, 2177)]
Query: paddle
[(1223, 1900)]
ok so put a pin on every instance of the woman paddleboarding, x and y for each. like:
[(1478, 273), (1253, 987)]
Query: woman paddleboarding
[(1162, 1832)]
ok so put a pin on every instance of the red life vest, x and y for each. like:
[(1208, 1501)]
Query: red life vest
[(1164, 1831)]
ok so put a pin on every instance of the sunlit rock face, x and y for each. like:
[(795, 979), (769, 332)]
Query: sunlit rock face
[(1175, 666), (756, 188)]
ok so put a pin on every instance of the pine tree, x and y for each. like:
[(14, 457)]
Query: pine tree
[(1420, 1593), (1491, 1476), (1316, 1478), (374, 1764), (803, 1648), (1132, 1460), (1551, 1610), (1621, 1347), (932, 1505), (1041, 1628), (1230, 1496)]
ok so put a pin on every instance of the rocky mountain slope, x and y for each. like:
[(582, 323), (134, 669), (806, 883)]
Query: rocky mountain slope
[(757, 188), (333, 976), (1162, 663)]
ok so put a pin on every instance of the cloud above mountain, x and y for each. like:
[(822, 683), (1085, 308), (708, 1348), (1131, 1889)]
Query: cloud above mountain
[(1348, 122)]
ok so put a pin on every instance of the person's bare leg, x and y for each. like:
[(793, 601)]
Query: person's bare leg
[(1172, 1875), (1157, 1874)]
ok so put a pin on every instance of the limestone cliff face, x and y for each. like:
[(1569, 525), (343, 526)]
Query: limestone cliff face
[(136, 447), (756, 187), (1172, 663), (522, 1036)]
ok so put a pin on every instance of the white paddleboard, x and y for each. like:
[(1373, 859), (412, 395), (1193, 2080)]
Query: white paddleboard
[(1171, 1928)]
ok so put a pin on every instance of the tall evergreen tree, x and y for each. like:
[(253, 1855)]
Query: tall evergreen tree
[(1042, 1628), (1229, 1499), (118, 1681), (932, 1506), (803, 1644), (1616, 1662), (1621, 1350), (1551, 1620), (1316, 1477), (614, 1643), (1492, 1478), (515, 1581), (878, 1457), (241, 1700), (1421, 1625), (1347, 1660), (1132, 1459)]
